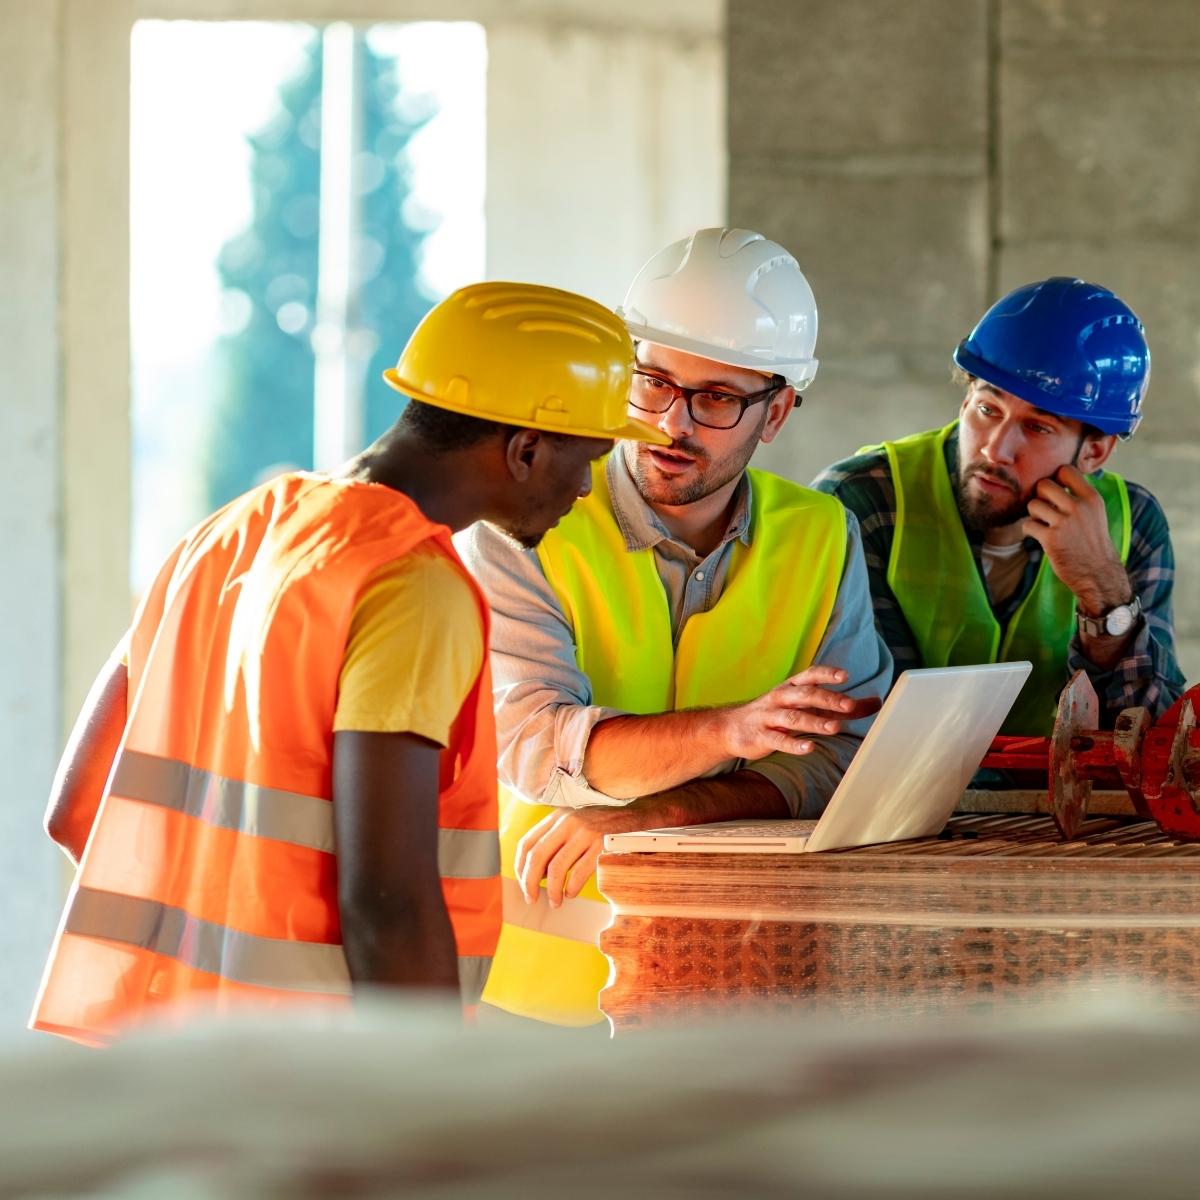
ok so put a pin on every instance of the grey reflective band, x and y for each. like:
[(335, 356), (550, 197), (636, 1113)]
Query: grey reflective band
[(579, 920), (472, 975), (279, 963), (241, 957), (468, 853), (226, 803), (276, 814)]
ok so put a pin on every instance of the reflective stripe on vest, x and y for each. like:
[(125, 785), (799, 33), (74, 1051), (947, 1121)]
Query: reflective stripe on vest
[(258, 961), (309, 967), (940, 590), (276, 814), (226, 803), (210, 868), (548, 967)]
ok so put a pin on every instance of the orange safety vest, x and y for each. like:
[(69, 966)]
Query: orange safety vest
[(210, 875)]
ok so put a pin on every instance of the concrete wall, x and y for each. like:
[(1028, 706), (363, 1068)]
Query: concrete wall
[(30, 527), (604, 144), (922, 158)]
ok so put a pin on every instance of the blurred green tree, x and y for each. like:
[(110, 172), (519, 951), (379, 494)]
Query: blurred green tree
[(263, 417)]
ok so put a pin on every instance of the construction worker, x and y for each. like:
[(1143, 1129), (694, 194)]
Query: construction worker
[(1001, 537), (318, 640), (694, 642)]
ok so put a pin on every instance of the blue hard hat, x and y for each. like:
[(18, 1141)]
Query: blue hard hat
[(1069, 347)]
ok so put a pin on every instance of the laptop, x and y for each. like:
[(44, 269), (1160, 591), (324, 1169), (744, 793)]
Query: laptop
[(925, 744)]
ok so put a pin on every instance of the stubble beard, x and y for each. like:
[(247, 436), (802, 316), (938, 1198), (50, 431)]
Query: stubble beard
[(983, 513), (710, 476)]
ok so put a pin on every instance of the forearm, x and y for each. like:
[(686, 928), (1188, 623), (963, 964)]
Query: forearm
[(1146, 675), (739, 795), (1146, 671), (1106, 588), (400, 944), (87, 760), (1104, 653), (806, 782), (630, 756)]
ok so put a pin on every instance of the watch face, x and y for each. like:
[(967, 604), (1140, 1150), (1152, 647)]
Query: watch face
[(1119, 620)]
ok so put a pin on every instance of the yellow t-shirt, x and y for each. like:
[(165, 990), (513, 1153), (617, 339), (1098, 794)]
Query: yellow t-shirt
[(415, 648)]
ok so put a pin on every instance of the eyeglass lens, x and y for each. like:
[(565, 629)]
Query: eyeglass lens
[(719, 410)]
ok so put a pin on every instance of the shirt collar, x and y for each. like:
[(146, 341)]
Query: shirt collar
[(639, 523)]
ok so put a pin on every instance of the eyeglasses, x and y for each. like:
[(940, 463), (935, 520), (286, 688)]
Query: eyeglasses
[(713, 410)]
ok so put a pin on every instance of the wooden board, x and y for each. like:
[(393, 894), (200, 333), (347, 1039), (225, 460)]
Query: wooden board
[(1102, 803), (995, 911)]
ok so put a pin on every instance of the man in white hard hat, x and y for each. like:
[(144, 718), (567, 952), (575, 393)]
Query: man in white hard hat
[(694, 642)]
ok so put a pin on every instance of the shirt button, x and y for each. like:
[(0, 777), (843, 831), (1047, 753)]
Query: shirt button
[(699, 576)]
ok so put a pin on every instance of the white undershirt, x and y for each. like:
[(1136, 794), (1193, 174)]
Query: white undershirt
[(1003, 569)]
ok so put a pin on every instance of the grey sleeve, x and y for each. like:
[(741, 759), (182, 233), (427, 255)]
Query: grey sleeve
[(543, 701), (851, 642)]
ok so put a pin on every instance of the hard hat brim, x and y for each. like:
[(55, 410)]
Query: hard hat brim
[(632, 430), (1069, 407), (798, 372)]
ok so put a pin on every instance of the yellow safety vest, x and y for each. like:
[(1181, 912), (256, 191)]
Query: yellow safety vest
[(937, 584), (767, 624)]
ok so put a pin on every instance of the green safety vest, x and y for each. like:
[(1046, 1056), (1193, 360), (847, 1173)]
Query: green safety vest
[(938, 586), (767, 624)]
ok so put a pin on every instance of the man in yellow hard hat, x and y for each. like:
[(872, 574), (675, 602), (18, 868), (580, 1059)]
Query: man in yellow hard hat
[(284, 785), (695, 641)]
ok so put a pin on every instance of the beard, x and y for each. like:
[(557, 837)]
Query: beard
[(708, 474), (981, 513)]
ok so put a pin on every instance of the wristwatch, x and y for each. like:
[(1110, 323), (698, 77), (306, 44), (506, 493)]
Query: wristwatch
[(1116, 622)]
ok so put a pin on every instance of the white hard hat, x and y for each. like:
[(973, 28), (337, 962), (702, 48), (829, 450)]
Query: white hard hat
[(729, 295)]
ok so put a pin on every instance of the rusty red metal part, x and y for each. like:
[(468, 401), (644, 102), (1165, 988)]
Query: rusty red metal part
[(1157, 763)]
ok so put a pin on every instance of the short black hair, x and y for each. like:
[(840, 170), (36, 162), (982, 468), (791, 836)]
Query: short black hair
[(442, 429)]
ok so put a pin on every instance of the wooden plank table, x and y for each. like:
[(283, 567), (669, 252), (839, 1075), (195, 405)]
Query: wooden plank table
[(994, 911)]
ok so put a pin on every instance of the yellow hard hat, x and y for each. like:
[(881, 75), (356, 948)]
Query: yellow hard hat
[(525, 355)]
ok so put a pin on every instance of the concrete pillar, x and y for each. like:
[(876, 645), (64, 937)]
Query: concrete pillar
[(1098, 176), (605, 142), (30, 475), (64, 453), (95, 337), (858, 139)]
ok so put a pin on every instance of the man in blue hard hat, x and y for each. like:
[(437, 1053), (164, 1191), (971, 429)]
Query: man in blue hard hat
[(1002, 536)]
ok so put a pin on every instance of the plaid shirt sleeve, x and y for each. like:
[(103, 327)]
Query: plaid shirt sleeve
[(863, 484), (1148, 675)]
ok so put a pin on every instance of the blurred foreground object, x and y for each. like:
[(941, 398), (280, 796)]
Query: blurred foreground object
[(1081, 1100)]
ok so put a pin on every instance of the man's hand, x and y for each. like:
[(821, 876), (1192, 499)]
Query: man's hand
[(1068, 518), (781, 718), (568, 842)]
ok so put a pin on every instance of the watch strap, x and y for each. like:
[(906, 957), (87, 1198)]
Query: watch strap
[(1098, 626)]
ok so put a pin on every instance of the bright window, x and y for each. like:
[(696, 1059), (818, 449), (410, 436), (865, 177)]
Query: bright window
[(300, 196)]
